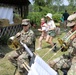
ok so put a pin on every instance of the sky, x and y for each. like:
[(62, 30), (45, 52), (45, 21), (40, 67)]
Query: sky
[(65, 2), (31, 1)]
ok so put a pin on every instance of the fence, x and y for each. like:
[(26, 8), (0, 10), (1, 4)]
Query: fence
[(10, 30)]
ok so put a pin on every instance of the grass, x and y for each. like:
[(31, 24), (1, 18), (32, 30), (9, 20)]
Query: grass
[(46, 47), (6, 68)]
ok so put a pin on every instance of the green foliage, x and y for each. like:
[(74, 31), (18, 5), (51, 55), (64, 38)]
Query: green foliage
[(55, 6), (39, 12), (3, 39), (46, 10), (42, 7), (40, 2), (36, 8), (35, 17), (71, 9), (57, 17)]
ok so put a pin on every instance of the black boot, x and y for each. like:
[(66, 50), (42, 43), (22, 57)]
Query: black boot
[(55, 48)]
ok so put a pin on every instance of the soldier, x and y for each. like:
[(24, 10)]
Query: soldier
[(19, 56), (72, 48), (66, 61)]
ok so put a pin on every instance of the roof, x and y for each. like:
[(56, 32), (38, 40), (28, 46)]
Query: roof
[(15, 2)]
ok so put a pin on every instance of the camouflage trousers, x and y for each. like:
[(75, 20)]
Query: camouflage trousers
[(72, 70), (60, 63), (72, 51), (18, 59), (66, 62)]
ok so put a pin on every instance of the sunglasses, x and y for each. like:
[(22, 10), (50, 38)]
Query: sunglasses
[(72, 27), (24, 25)]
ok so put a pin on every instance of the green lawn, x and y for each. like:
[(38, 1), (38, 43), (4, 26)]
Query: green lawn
[(6, 68)]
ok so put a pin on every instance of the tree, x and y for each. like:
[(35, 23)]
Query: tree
[(58, 3), (72, 2), (39, 4)]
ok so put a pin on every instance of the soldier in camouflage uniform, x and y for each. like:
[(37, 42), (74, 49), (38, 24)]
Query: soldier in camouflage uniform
[(67, 63), (19, 56), (72, 49)]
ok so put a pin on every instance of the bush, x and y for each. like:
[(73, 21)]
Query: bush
[(35, 17), (4, 39), (57, 17)]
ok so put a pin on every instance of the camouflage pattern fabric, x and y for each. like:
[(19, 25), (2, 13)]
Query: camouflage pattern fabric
[(72, 48), (61, 63), (18, 58), (72, 70), (29, 39), (74, 43), (66, 61)]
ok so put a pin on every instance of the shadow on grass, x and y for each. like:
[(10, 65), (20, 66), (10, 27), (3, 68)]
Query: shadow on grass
[(4, 49)]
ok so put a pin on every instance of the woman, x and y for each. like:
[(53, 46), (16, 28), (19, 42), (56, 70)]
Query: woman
[(51, 30)]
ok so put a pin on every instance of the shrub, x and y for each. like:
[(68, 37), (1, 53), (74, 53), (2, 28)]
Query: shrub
[(57, 17), (35, 17), (4, 39)]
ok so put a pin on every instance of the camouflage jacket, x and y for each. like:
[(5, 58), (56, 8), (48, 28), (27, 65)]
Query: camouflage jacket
[(65, 62), (72, 70), (28, 38)]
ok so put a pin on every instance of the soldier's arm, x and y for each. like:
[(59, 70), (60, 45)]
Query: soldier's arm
[(18, 34), (74, 36), (30, 39)]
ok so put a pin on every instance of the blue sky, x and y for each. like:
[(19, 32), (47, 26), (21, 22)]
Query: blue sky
[(31, 1), (65, 2)]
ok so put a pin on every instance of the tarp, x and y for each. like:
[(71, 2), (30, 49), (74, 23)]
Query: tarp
[(6, 13)]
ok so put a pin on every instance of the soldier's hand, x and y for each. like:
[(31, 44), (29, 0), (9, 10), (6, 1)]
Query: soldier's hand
[(39, 30), (18, 34)]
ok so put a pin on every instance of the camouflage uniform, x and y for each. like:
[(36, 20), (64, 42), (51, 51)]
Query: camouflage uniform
[(67, 63), (72, 70), (19, 56)]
